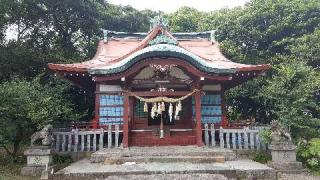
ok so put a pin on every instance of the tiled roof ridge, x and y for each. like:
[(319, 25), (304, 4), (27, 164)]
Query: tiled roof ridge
[(141, 44), (152, 34), (176, 35)]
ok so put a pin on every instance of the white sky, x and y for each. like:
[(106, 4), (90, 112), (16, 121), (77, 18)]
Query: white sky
[(169, 6)]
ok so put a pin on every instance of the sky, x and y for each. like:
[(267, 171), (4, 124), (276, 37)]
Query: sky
[(169, 6)]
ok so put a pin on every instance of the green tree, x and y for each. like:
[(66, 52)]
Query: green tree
[(185, 19), (128, 19), (26, 106), (291, 92), (307, 48), (273, 32), (264, 28), (48, 31)]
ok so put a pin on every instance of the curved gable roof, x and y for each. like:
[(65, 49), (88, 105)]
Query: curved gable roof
[(119, 53)]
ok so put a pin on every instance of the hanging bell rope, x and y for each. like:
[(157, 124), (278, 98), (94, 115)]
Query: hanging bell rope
[(163, 98)]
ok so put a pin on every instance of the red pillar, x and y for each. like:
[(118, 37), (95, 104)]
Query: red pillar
[(125, 140), (95, 121), (224, 120), (198, 118)]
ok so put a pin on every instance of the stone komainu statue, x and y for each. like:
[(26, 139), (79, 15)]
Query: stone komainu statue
[(45, 135), (279, 133)]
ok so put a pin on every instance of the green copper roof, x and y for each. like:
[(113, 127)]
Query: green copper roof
[(162, 50), (163, 39)]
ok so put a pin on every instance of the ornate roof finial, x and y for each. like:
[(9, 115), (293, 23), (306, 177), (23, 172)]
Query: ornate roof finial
[(105, 35), (159, 21), (212, 36)]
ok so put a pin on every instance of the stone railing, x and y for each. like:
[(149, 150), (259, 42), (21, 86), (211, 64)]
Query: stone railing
[(247, 139), (90, 141)]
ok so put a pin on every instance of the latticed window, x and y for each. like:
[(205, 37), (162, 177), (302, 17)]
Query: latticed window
[(211, 111), (138, 109), (111, 109)]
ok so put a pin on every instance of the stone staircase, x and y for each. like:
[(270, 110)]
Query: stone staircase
[(167, 162)]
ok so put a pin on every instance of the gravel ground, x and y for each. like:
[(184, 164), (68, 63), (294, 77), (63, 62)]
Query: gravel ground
[(302, 176), (84, 166), (170, 177)]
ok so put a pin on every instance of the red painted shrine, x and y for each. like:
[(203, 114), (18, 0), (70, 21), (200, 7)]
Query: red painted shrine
[(160, 87)]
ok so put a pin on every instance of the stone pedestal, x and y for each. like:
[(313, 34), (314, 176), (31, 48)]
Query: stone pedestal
[(284, 158), (39, 158)]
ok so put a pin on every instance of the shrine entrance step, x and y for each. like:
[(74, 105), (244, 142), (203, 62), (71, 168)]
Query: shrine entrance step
[(163, 154), (237, 169)]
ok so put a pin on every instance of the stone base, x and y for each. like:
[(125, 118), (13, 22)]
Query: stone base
[(34, 170), (284, 158), (287, 167), (38, 158)]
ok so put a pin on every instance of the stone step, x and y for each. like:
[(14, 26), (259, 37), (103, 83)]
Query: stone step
[(167, 153), (165, 159), (239, 169)]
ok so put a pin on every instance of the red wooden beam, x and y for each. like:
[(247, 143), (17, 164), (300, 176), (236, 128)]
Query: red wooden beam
[(157, 93)]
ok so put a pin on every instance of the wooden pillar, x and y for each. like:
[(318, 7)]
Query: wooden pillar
[(95, 121), (198, 118), (224, 120), (126, 112), (131, 120)]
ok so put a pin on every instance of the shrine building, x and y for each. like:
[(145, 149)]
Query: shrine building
[(159, 87)]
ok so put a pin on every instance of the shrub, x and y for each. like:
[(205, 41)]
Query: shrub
[(309, 154), (265, 135), (61, 161), (261, 157)]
